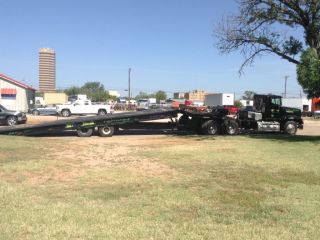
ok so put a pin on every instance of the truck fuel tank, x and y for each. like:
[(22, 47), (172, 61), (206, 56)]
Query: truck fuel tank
[(268, 126), (255, 115)]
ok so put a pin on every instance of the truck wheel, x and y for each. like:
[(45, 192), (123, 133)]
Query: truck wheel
[(36, 112), (102, 112), (290, 128), (106, 131), (11, 121), (65, 113), (232, 127), (209, 127), (85, 132)]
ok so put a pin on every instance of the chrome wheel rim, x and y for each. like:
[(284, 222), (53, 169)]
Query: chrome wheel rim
[(12, 121)]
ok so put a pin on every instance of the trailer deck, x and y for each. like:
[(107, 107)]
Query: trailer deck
[(89, 122)]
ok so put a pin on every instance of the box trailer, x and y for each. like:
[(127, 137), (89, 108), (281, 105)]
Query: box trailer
[(219, 99)]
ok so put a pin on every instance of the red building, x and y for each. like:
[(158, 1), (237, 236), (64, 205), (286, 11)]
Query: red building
[(315, 104)]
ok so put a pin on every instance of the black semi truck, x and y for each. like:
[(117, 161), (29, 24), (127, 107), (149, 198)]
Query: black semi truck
[(267, 115)]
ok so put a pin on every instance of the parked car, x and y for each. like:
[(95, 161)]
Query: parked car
[(316, 114), (50, 109), (11, 118), (142, 104)]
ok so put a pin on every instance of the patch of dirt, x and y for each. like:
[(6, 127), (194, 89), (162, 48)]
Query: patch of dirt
[(104, 153)]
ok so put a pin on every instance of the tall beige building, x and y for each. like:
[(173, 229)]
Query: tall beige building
[(47, 70)]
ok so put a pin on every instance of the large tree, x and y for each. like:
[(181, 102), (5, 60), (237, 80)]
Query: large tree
[(94, 91), (271, 26), (308, 72)]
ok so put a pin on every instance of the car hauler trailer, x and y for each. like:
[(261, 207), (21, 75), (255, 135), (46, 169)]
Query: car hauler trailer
[(267, 115), (106, 124)]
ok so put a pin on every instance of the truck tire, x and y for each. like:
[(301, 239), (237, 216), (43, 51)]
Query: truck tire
[(290, 128), (11, 121), (106, 131), (210, 127), (66, 113), (85, 132), (102, 112), (232, 127)]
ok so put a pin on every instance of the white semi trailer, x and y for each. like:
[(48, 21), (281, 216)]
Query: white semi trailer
[(219, 99)]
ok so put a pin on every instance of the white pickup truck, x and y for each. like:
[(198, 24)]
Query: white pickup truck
[(80, 107)]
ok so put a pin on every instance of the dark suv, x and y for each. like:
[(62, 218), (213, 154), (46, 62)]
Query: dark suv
[(11, 118)]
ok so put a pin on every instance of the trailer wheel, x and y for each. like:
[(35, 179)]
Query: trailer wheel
[(209, 127), (102, 112), (290, 128), (106, 131), (232, 127), (65, 113), (85, 132)]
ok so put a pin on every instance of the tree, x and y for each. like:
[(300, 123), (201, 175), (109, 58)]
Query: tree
[(142, 95), (308, 72), (72, 91), (94, 91), (256, 29), (160, 95), (248, 95), (238, 104)]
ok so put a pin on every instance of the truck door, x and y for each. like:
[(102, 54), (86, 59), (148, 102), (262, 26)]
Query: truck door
[(275, 107)]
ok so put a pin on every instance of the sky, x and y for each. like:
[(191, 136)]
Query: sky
[(168, 44)]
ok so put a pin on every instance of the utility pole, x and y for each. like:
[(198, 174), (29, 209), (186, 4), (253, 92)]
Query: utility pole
[(285, 85), (129, 83)]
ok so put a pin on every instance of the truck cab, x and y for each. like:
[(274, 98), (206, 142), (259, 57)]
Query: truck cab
[(269, 115)]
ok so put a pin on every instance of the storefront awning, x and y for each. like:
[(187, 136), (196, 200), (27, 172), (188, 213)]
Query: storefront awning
[(8, 91)]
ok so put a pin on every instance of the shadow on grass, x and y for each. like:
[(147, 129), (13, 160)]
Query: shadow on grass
[(285, 138)]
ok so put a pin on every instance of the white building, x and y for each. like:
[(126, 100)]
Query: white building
[(114, 93), (246, 102), (15, 95), (303, 104)]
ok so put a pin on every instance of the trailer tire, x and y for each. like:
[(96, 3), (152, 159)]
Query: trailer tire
[(290, 128), (66, 113), (85, 132), (106, 131), (232, 127), (210, 127), (102, 112)]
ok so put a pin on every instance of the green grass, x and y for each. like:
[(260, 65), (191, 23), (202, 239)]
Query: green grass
[(175, 187)]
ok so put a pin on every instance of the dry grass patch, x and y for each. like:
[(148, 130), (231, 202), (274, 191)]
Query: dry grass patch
[(166, 187)]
